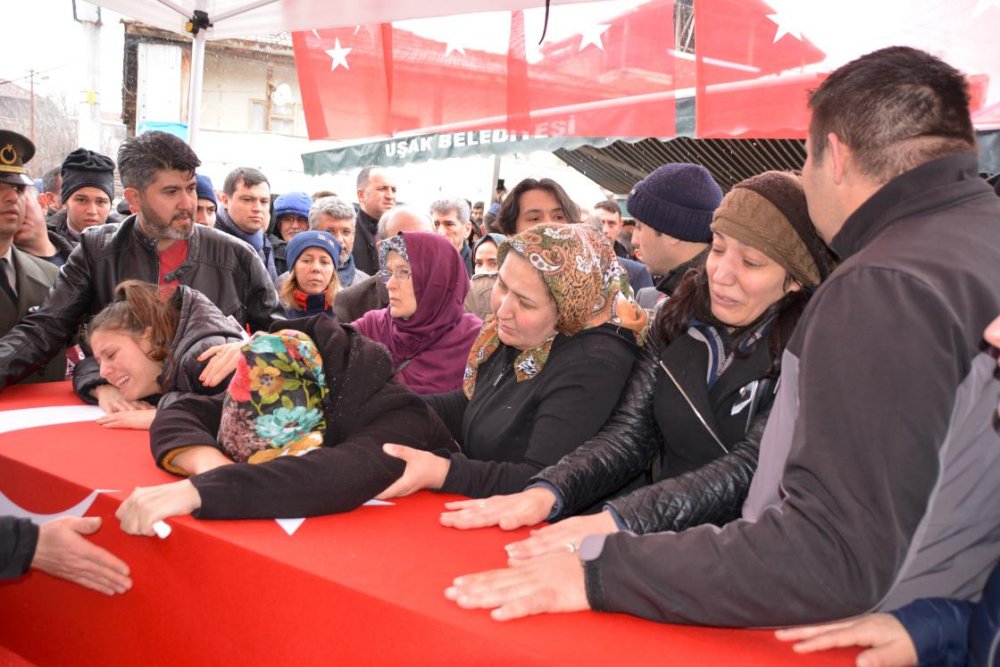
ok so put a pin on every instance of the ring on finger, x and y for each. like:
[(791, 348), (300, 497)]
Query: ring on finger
[(571, 545), (481, 504)]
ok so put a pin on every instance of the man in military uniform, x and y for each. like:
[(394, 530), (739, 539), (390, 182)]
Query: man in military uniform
[(24, 280)]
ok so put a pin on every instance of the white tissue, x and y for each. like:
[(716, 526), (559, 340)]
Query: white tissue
[(162, 529)]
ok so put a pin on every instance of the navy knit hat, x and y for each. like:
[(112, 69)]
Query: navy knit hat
[(312, 239), (205, 189), (298, 203), (678, 200), (86, 169)]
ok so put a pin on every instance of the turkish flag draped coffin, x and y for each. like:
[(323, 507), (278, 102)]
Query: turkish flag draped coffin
[(621, 68)]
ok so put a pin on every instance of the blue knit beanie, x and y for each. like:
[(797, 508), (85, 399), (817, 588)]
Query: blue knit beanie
[(205, 188), (678, 200), (312, 239), (298, 203)]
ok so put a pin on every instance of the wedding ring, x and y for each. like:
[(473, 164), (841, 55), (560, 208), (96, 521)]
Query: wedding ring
[(481, 504), (571, 545)]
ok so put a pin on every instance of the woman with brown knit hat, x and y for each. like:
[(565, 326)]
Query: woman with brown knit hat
[(681, 447)]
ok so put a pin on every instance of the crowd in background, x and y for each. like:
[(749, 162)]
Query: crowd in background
[(791, 386)]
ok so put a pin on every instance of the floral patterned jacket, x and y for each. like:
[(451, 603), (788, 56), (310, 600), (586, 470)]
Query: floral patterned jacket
[(363, 409)]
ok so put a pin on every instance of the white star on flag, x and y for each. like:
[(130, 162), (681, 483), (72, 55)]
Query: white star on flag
[(450, 48), (788, 18), (338, 54), (983, 5), (592, 35)]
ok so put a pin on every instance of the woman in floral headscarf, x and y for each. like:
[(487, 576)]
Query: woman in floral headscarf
[(545, 371), (299, 432), (425, 326)]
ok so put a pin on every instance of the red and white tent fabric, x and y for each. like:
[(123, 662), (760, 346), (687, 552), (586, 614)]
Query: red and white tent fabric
[(621, 68), (626, 68)]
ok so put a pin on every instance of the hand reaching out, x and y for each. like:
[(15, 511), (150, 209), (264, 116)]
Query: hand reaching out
[(423, 471), (63, 552), (888, 642), (562, 536), (510, 512), (221, 362)]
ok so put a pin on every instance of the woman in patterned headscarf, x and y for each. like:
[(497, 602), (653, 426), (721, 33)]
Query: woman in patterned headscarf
[(692, 414), (544, 373)]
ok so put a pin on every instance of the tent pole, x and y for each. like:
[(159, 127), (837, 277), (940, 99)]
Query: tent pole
[(194, 91), (496, 176)]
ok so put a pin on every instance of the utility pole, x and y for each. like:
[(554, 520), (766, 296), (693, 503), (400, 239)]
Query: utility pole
[(88, 106), (31, 87)]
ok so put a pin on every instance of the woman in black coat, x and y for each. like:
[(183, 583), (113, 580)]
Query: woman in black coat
[(682, 444), (545, 372), (363, 407)]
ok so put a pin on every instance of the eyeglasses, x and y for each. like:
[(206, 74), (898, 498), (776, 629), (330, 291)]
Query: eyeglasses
[(401, 275)]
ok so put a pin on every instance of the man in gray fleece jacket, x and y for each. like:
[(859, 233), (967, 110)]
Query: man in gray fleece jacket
[(881, 459)]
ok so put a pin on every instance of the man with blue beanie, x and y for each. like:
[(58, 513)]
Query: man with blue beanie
[(291, 216), (673, 209), (207, 203)]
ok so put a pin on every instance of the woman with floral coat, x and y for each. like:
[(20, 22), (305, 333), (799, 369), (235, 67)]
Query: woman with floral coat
[(298, 433)]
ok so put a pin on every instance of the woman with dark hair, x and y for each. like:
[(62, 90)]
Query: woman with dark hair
[(149, 349), (545, 372), (425, 327), (534, 202), (484, 262), (687, 427)]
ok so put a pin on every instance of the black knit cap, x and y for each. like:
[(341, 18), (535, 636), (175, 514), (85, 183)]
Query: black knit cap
[(84, 168), (678, 200)]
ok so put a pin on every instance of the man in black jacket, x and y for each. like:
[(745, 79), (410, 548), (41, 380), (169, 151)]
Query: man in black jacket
[(376, 195), (159, 244)]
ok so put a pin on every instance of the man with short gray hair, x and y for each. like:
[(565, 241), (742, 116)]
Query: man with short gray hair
[(334, 215), (451, 220)]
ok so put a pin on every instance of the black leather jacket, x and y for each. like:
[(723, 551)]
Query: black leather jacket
[(224, 269), (621, 455)]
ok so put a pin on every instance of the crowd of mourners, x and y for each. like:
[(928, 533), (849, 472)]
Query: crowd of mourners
[(775, 406)]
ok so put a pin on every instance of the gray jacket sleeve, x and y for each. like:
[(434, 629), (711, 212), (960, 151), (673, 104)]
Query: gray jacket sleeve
[(713, 493), (620, 451)]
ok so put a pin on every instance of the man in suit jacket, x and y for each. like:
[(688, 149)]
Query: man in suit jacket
[(24, 280)]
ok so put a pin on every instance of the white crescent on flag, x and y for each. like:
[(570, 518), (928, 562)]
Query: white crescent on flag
[(15, 420), (9, 508)]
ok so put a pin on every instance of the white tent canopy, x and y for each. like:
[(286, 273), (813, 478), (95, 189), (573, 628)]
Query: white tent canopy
[(242, 18)]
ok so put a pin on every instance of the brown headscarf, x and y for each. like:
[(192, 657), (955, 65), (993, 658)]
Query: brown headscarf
[(586, 281)]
